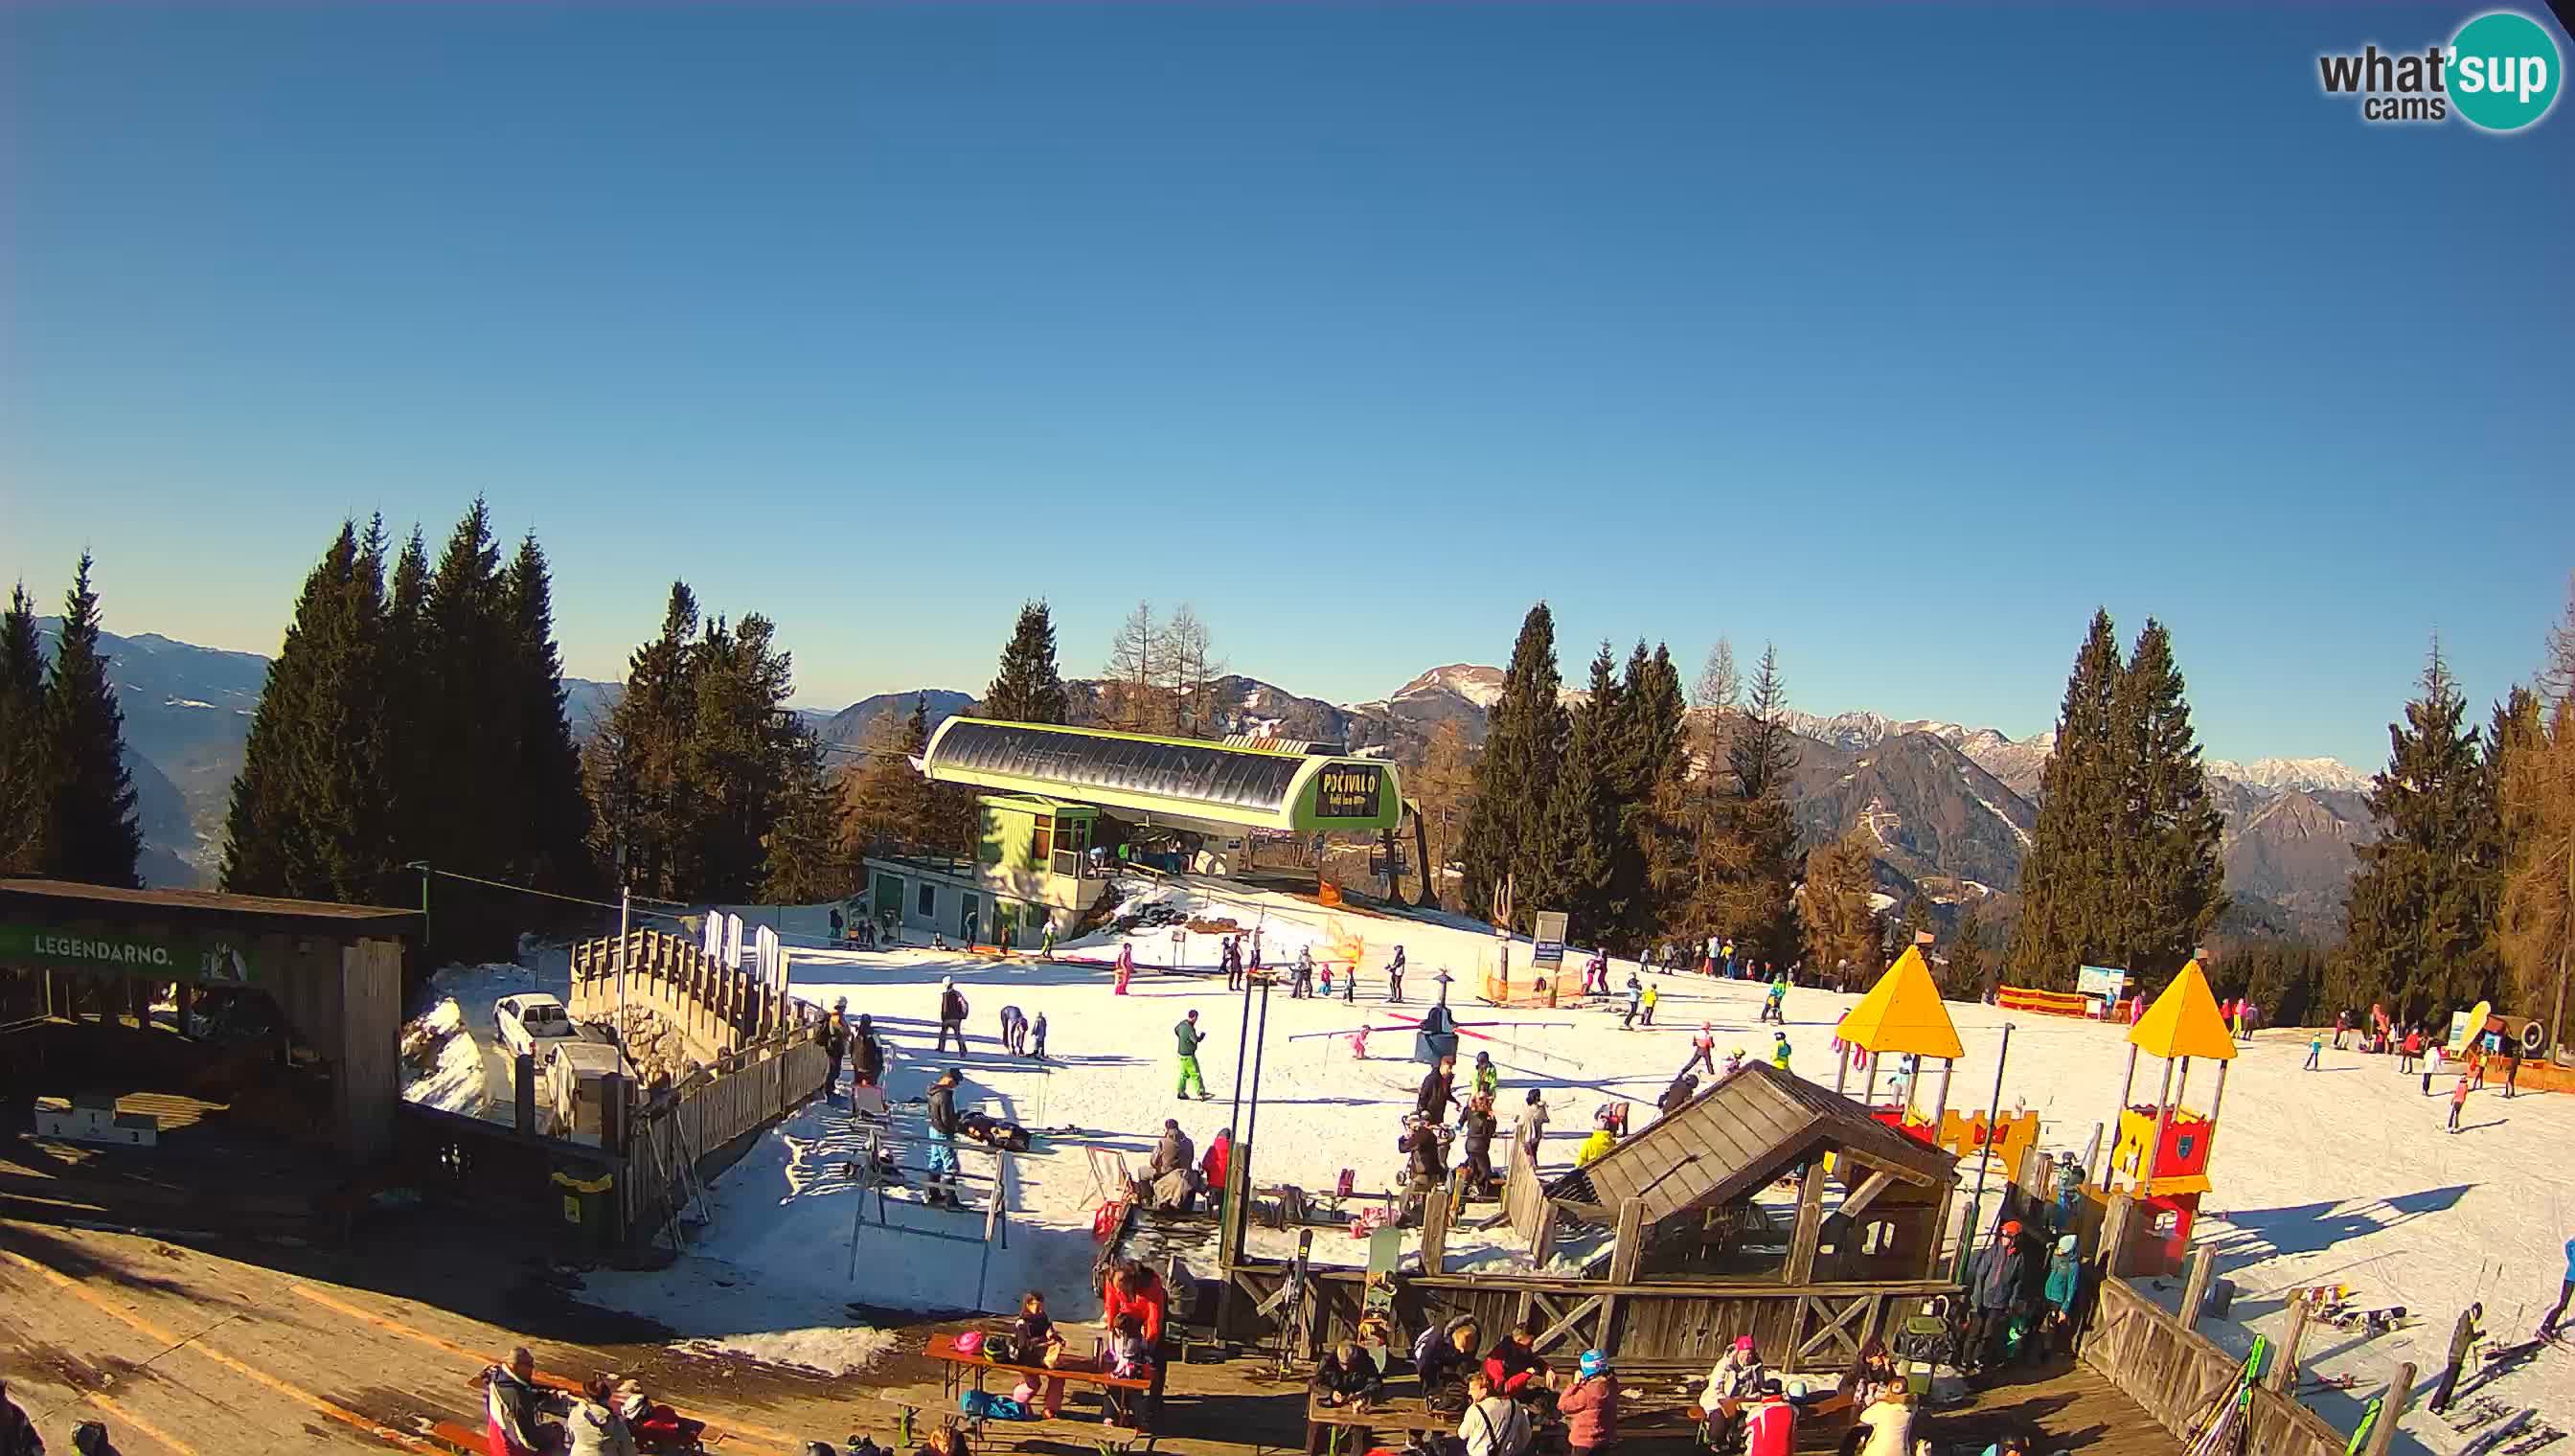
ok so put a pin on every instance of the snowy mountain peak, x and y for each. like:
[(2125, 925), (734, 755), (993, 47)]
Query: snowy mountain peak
[(1867, 730), (1479, 685), (2283, 774)]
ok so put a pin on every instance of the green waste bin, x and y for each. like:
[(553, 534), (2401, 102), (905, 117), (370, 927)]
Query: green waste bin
[(589, 1208)]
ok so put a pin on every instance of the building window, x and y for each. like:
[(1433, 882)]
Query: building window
[(929, 899), (1044, 843)]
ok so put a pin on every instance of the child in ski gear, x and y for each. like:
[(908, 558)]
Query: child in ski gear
[(1488, 1078), (1127, 1349), (1594, 1148), (1770, 1427), (1126, 966), (1039, 1343), (2065, 1282), (2069, 1186), (2316, 1052), (2458, 1100), (1187, 1036), (1037, 1038), (1645, 1004), (1780, 1051), (951, 1015), (1590, 1405), (1703, 1049), (1220, 1157), (1635, 1002), (1351, 984), (1734, 1061), (1476, 1133)]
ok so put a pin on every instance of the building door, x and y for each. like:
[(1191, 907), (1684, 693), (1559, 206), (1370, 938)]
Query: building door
[(889, 897), (1006, 924), (969, 918)]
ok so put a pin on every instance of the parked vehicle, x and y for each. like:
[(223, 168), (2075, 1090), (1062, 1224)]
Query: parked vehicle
[(572, 1074), (524, 1023)]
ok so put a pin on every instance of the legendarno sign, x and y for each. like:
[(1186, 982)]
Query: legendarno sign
[(155, 957)]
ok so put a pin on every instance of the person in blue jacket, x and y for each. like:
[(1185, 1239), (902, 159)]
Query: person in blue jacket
[(2548, 1327), (2065, 1286)]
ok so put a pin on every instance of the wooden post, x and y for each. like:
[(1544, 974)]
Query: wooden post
[(1625, 1259), (1811, 1222), (2115, 1219), (2163, 1119), (2284, 1370), (2391, 1408), (523, 1081), (2110, 1149), (1542, 1247), (1434, 1231), (2194, 1288)]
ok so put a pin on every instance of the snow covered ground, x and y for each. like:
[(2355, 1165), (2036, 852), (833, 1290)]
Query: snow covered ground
[(2340, 1175), (459, 1071)]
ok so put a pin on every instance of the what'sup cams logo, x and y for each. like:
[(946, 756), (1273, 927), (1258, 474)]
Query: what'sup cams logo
[(2500, 73)]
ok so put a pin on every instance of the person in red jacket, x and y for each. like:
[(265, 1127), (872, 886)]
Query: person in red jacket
[(1135, 1290), (1770, 1427), (1514, 1365), (1591, 1406), (1219, 1155)]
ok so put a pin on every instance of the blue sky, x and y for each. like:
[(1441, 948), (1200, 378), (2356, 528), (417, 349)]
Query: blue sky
[(1899, 337)]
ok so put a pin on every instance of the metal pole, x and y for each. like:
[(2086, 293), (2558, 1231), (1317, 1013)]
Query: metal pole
[(1242, 1145), (625, 901), (1241, 1046), (1976, 1201)]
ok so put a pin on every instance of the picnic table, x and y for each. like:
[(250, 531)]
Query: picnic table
[(1336, 1430), (957, 1368)]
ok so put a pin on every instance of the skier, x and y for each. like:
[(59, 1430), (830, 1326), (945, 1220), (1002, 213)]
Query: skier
[(2316, 1052), (951, 1015), (2463, 1335), (1779, 1007), (1488, 1077), (2458, 1099), (1186, 1032), (942, 1119), (1126, 966), (1780, 1051), (2565, 1291), (1326, 979), (1646, 1003), (1395, 978), (1703, 1049), (1635, 1002)]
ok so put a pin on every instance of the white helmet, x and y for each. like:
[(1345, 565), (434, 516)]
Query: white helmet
[(947, 982)]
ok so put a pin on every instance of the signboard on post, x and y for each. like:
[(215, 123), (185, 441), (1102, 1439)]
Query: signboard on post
[(155, 955), (1548, 953), (1347, 791), (2105, 982)]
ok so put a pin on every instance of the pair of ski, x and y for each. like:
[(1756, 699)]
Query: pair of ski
[(2222, 1425), (2494, 1439), (2505, 1359)]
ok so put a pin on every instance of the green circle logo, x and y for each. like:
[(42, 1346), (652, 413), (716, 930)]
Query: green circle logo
[(2504, 71)]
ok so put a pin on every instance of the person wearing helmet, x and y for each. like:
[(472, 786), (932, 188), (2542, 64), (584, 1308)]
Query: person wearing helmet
[(1779, 1050), (1589, 1405), (1734, 1061), (1995, 1287)]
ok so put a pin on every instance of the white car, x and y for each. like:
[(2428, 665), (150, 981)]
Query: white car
[(527, 1024)]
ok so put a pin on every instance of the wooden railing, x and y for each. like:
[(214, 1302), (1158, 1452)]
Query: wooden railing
[(716, 1007), (672, 1138)]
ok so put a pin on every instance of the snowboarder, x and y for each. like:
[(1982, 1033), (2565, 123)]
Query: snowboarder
[(1014, 1031), (1635, 1002), (1037, 1038), (2463, 1335), (1126, 966), (512, 1405), (1395, 978), (1488, 1077), (1439, 1086), (942, 1119), (1703, 1049), (951, 1015), (1186, 1032), (2458, 1100), (1780, 1051), (2316, 1052)]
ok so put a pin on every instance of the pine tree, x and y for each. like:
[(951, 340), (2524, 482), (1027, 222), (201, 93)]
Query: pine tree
[(1833, 904), (804, 864), (410, 707), (1755, 824), (643, 806), (93, 833), (1581, 832), (1965, 975), (2535, 794), (1913, 922), (1523, 743), (1027, 688), (471, 711), (2067, 884), (25, 795), (2424, 890), (553, 815), (738, 753), (1654, 733), (2163, 857)]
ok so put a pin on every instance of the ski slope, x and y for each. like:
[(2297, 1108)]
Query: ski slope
[(2340, 1175)]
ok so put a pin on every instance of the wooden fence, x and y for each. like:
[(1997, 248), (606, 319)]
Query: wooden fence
[(2175, 1373), (717, 1007), (672, 1138)]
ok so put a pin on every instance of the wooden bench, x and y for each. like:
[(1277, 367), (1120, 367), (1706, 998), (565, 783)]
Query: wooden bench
[(1340, 1430), (957, 1368)]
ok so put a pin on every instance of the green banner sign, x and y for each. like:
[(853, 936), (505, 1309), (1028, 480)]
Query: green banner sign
[(200, 959)]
